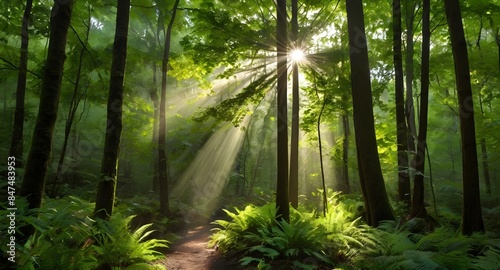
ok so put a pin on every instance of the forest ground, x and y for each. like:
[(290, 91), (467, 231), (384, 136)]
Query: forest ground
[(191, 252)]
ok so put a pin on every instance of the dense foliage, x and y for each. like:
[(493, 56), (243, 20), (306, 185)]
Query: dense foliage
[(221, 118), (66, 238)]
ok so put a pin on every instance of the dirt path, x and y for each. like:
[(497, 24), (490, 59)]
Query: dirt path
[(191, 253)]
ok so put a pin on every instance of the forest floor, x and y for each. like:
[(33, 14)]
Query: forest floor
[(190, 252)]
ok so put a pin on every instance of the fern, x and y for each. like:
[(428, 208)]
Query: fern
[(117, 246), (66, 238), (442, 249)]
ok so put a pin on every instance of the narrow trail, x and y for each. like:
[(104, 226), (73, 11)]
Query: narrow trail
[(191, 252)]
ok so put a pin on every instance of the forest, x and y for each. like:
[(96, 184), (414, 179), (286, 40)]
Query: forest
[(220, 134)]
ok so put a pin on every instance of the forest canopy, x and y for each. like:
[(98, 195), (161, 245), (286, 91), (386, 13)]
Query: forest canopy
[(299, 130)]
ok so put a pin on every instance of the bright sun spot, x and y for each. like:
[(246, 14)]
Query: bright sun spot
[(297, 55)]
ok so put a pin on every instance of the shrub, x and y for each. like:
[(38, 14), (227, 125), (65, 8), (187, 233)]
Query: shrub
[(66, 238)]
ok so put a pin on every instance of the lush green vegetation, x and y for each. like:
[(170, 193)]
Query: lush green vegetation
[(66, 238), (341, 240), (142, 120)]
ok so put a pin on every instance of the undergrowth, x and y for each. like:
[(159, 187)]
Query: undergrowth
[(341, 240), (66, 238)]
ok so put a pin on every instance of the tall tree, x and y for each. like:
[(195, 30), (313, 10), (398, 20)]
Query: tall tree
[(73, 108), (107, 185), (162, 151), (417, 207), (370, 173), (36, 165), (282, 140), (16, 146), (472, 219), (404, 188), (294, 140), (410, 7), (345, 186)]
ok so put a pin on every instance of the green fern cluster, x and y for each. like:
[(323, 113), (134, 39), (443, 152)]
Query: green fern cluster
[(299, 244), (442, 249), (66, 238), (306, 242), (231, 234)]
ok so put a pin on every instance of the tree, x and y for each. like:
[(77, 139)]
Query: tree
[(16, 147), (73, 108), (162, 154), (107, 185), (294, 140), (401, 136), (36, 165), (418, 208), (370, 174), (410, 51), (282, 138), (472, 219)]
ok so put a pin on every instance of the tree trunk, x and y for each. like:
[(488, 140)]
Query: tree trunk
[(404, 188), (417, 207), (36, 166), (16, 146), (346, 187), (107, 186), (162, 151), (372, 181), (472, 220), (283, 210), (73, 107), (294, 140), (410, 109)]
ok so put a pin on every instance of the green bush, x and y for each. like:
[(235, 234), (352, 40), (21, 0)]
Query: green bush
[(66, 238), (442, 249)]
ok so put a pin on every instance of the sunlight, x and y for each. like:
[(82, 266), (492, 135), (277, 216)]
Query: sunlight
[(209, 172), (297, 55)]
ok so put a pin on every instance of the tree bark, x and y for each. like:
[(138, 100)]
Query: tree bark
[(404, 188), (410, 109), (36, 166), (472, 220), (346, 187), (162, 151), (282, 206), (107, 186), (16, 147), (294, 140), (418, 208), (372, 181)]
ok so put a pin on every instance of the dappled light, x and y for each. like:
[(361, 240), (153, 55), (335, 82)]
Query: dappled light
[(235, 135), (208, 174)]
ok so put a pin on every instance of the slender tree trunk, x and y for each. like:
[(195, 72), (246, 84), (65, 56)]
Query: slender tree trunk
[(410, 109), (162, 151), (36, 166), (418, 208), (484, 155), (282, 123), (346, 187), (156, 106), (372, 181), (73, 107), (16, 147), (294, 147), (320, 148), (404, 188), (107, 185), (472, 220)]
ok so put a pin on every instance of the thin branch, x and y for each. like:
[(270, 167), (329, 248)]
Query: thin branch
[(17, 68)]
